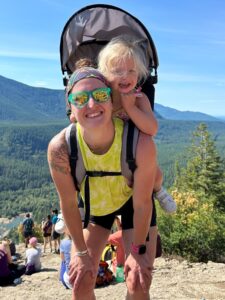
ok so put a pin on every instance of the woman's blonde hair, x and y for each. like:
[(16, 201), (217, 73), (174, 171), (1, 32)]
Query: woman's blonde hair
[(120, 49)]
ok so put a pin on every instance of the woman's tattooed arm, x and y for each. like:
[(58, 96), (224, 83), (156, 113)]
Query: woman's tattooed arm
[(58, 157)]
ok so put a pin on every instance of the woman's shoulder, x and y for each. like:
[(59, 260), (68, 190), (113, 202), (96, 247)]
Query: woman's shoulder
[(58, 139), (58, 144)]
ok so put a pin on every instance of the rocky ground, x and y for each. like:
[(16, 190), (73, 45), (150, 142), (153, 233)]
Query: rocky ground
[(173, 280)]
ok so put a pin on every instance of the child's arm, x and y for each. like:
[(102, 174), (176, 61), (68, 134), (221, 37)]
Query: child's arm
[(138, 108)]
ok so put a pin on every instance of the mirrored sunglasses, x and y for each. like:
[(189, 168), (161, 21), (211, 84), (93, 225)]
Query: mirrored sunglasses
[(80, 99)]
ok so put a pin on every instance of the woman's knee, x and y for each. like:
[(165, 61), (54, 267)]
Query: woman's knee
[(134, 287), (86, 285)]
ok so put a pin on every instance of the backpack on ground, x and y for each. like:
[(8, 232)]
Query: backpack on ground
[(104, 275), (89, 29)]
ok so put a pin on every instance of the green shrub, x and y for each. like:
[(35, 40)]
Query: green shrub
[(195, 231), (16, 234)]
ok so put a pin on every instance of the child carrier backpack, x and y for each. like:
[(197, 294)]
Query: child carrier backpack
[(88, 30)]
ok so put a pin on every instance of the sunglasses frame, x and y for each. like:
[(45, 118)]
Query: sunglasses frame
[(72, 96)]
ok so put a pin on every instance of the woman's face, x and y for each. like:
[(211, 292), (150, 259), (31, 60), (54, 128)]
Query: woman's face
[(93, 114)]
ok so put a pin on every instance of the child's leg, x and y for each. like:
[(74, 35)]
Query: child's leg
[(165, 200), (158, 180)]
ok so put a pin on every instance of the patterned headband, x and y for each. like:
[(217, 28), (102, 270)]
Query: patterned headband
[(85, 72)]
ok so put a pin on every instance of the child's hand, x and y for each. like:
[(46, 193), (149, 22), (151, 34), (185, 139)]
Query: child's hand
[(128, 100)]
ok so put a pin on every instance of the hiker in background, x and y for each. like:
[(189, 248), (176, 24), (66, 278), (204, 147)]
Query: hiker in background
[(116, 239), (55, 235), (33, 257), (27, 228), (100, 140), (47, 231), (9, 272), (65, 255), (122, 62)]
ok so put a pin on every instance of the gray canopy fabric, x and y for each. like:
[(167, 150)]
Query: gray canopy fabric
[(92, 27)]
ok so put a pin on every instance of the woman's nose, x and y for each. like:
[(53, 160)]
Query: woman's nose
[(91, 102)]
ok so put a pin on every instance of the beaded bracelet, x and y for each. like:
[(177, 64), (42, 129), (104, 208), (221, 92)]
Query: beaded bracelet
[(81, 253)]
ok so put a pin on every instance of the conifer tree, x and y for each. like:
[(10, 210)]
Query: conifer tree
[(204, 173)]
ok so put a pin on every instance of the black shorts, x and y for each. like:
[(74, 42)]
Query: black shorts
[(126, 212), (45, 234), (55, 235), (27, 234)]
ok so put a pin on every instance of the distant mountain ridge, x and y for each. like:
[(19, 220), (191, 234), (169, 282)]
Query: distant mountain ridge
[(24, 103), (174, 114), (20, 102)]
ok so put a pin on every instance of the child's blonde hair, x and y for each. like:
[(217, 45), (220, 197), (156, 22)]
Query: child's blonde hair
[(120, 49)]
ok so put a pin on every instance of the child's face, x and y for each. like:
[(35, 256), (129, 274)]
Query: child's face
[(123, 76)]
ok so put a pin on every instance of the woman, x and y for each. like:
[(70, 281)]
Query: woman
[(65, 255), (47, 231), (33, 255), (99, 137), (9, 272)]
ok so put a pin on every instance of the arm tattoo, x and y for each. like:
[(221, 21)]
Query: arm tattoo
[(59, 159)]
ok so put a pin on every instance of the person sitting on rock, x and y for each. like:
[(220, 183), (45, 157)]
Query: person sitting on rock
[(9, 272), (33, 255), (65, 255)]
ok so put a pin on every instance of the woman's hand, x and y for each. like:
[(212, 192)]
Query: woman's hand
[(137, 271), (79, 267)]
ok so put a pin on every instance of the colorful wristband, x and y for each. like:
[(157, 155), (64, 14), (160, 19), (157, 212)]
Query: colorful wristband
[(134, 248), (139, 249)]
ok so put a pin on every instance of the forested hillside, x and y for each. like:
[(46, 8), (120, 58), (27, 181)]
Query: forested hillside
[(24, 176)]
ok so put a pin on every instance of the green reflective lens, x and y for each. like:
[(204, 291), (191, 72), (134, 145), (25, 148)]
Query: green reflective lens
[(80, 99)]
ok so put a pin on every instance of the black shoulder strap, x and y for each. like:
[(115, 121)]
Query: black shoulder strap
[(73, 154), (130, 157)]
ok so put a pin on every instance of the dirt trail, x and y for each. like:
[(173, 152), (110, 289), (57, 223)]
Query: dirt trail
[(173, 280)]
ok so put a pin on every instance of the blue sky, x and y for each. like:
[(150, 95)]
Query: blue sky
[(189, 37)]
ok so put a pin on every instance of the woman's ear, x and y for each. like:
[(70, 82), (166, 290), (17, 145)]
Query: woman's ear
[(72, 118)]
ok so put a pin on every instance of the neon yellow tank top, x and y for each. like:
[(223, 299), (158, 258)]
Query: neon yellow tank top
[(109, 193)]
